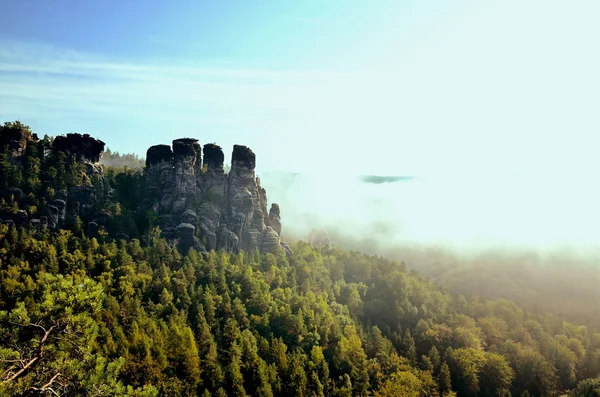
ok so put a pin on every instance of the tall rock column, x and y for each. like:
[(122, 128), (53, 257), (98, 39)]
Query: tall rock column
[(187, 162), (243, 199), (186, 156), (248, 204), (160, 182), (213, 182), (201, 206)]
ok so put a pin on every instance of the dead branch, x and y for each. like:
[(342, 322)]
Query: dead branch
[(38, 356)]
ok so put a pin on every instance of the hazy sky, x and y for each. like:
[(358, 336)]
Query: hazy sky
[(378, 87)]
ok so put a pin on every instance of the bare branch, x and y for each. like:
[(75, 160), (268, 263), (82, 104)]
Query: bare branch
[(42, 389), (51, 380), (34, 360)]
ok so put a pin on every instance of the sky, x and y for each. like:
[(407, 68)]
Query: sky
[(381, 87)]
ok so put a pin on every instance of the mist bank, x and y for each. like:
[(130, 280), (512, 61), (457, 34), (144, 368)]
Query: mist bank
[(529, 239), (465, 213)]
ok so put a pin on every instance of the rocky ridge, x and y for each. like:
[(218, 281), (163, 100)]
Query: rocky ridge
[(201, 206), (196, 202)]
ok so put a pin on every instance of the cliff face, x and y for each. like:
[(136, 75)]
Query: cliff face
[(65, 204), (77, 201), (202, 207)]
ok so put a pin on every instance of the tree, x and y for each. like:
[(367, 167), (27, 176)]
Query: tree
[(404, 384), (587, 388), (408, 347), (496, 376), (444, 379), (52, 341)]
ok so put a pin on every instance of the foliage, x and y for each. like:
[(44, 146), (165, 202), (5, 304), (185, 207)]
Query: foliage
[(144, 320)]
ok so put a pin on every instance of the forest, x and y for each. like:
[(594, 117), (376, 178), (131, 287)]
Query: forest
[(124, 313)]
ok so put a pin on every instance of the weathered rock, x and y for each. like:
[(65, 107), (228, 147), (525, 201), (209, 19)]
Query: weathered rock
[(228, 240), (35, 223), (209, 211), (213, 189), (169, 233), (102, 219), (186, 155), (83, 148), (15, 137), (61, 195), (92, 229), (84, 197), (189, 216), (229, 210), (213, 157), (52, 215), (242, 201), (270, 241), (286, 248), (275, 218), (209, 237), (248, 203), (252, 239), (121, 236), (56, 212), (243, 157), (93, 169), (8, 222), (72, 212), (159, 172), (180, 203), (159, 154), (185, 232), (166, 203), (18, 218)]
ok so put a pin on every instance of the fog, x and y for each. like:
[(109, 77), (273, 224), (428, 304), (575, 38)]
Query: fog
[(529, 238), (465, 213)]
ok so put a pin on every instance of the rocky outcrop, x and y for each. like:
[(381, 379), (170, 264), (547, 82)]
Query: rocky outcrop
[(158, 154), (56, 212), (201, 206), (63, 206), (83, 148), (198, 205), (78, 201), (275, 218), (15, 137), (17, 218)]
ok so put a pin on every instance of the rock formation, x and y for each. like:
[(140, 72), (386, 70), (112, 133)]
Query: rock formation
[(197, 204), (15, 137), (202, 207), (84, 148)]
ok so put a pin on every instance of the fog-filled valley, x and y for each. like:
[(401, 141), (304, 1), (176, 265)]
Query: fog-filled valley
[(532, 239)]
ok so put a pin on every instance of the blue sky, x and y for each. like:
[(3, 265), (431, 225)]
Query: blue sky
[(380, 87)]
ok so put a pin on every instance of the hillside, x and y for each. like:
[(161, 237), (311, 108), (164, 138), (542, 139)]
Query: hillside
[(123, 308)]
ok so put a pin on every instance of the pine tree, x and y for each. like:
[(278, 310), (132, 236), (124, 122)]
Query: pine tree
[(409, 349), (444, 379), (434, 358)]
